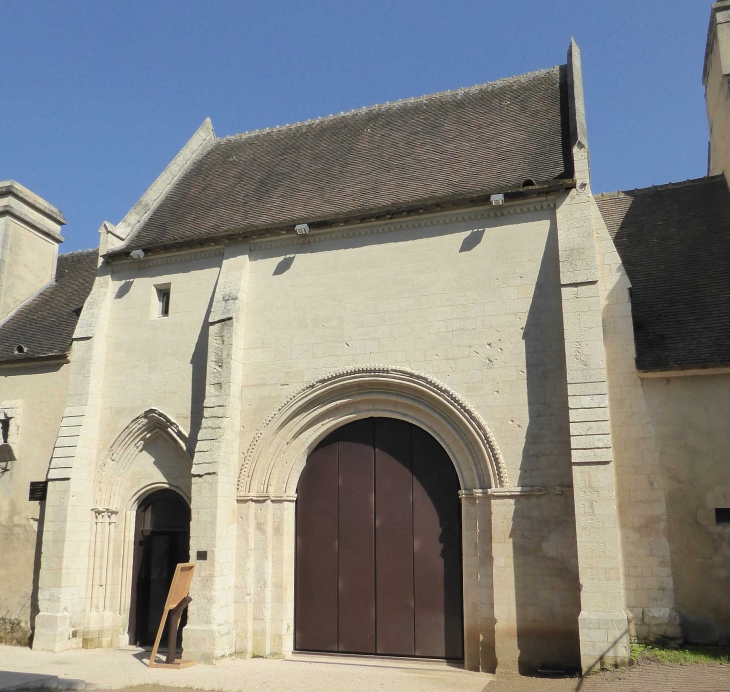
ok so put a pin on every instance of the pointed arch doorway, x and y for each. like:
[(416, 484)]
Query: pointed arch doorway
[(162, 540), (378, 544)]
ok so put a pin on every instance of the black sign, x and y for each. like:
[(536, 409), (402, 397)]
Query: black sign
[(38, 491)]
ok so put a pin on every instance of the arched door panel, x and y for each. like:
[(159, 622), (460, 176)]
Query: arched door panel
[(356, 538), (379, 544), (162, 541)]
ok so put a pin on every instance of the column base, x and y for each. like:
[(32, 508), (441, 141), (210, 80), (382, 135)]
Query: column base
[(53, 632), (655, 624), (102, 631), (208, 644), (604, 640)]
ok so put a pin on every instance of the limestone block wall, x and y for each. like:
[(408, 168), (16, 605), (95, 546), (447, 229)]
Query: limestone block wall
[(641, 498), (604, 637), (689, 415), (474, 303), (536, 583), (27, 264), (125, 361), (471, 300), (34, 396), (157, 361)]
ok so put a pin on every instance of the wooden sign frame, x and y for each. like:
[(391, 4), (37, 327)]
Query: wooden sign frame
[(177, 600)]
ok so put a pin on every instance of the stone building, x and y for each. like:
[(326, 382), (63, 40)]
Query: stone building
[(395, 380)]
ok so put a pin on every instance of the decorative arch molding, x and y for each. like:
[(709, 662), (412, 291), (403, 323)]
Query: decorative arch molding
[(147, 490), (279, 449), (127, 445)]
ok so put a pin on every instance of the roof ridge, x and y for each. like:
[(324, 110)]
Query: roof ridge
[(78, 252), (658, 188), (391, 104)]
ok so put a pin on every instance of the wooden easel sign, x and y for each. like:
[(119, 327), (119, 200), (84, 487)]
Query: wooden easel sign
[(177, 601)]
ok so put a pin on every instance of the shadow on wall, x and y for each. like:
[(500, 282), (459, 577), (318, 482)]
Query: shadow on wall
[(472, 240), (34, 607), (284, 265), (547, 589), (199, 368)]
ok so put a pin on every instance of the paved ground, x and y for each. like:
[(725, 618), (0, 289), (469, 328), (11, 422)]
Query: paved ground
[(119, 669), (116, 669)]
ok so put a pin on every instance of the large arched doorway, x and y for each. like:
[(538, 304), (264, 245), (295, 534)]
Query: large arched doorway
[(162, 540), (378, 548)]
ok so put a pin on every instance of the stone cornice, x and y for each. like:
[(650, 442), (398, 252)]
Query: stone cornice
[(11, 187), (19, 214), (173, 258), (267, 497), (365, 229), (499, 493)]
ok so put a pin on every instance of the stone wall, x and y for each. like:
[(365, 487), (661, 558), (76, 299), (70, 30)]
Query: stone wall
[(134, 374), (29, 238), (157, 361), (30, 264), (473, 301), (33, 396), (690, 417), (640, 499)]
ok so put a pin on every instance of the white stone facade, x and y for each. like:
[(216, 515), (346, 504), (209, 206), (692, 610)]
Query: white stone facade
[(452, 322), (505, 332)]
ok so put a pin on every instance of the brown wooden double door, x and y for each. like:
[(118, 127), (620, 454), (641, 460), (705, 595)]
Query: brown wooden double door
[(378, 553)]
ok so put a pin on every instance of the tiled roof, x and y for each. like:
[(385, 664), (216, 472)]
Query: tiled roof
[(674, 242), (44, 326), (442, 148)]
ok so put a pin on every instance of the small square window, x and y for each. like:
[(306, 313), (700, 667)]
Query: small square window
[(722, 515), (163, 301)]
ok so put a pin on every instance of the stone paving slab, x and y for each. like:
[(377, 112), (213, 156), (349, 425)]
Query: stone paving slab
[(119, 668)]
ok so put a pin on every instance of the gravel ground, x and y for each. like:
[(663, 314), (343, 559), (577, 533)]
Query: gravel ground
[(647, 676)]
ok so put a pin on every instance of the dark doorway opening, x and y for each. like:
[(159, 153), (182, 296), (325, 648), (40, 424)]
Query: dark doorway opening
[(378, 546), (162, 540)]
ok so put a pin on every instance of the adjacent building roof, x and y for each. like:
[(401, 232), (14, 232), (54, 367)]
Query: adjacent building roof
[(447, 147), (44, 326), (674, 242)]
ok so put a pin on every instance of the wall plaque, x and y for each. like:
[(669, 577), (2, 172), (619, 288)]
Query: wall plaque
[(38, 491)]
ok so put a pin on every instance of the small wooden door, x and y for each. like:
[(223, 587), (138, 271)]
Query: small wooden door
[(163, 541), (378, 555)]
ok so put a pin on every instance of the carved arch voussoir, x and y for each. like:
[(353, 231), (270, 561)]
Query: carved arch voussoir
[(127, 445), (279, 447)]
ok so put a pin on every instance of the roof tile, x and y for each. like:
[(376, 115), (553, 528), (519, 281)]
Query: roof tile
[(45, 325), (383, 159), (674, 242)]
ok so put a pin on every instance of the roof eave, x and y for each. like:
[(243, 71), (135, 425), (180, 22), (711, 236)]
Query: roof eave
[(413, 209), (62, 358)]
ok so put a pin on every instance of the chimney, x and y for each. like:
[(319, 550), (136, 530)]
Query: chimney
[(716, 80), (29, 240)]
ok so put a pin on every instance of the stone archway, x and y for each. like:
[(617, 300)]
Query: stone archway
[(278, 452), (150, 454), (273, 465)]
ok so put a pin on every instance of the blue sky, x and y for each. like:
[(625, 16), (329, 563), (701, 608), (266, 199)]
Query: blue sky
[(99, 96)]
